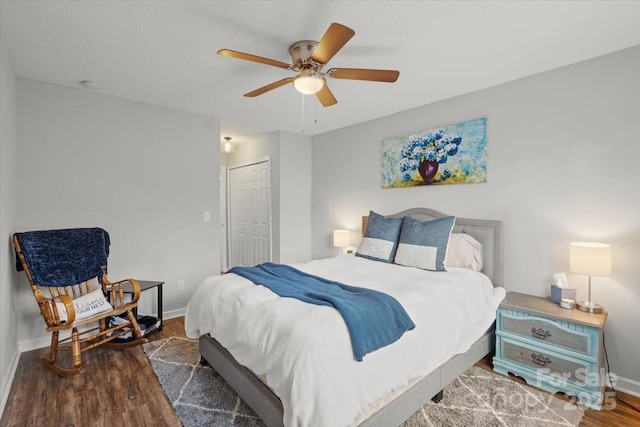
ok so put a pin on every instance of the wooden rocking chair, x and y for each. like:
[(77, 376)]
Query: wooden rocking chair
[(67, 273)]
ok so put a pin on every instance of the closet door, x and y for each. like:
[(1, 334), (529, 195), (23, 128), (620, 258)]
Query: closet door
[(250, 214)]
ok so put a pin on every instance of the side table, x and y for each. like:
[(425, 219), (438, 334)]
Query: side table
[(551, 348), (145, 285)]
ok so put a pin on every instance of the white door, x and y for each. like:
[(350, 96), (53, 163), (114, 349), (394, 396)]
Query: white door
[(250, 214)]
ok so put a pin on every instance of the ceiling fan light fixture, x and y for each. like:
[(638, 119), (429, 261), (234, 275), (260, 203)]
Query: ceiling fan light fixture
[(308, 83)]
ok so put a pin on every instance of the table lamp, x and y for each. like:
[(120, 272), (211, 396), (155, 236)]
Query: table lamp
[(341, 238), (592, 259)]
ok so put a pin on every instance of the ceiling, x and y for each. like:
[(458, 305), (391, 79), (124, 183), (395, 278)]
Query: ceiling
[(164, 52)]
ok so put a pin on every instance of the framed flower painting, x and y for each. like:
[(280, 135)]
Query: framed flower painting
[(453, 154)]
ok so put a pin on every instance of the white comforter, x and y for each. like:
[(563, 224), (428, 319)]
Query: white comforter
[(304, 352)]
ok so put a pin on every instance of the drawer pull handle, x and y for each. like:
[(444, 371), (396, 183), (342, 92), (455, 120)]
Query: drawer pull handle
[(540, 333), (540, 359)]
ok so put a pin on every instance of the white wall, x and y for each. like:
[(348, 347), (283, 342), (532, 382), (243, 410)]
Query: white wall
[(144, 173), (8, 144), (290, 156), (295, 197), (563, 150)]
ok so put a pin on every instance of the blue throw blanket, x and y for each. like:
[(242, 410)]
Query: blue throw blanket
[(64, 257), (374, 319)]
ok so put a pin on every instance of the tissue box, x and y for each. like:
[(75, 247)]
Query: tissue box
[(557, 293)]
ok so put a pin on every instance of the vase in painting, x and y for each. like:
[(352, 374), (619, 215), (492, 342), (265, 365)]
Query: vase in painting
[(427, 170)]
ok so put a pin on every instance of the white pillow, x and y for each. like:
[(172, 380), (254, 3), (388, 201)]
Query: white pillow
[(464, 251), (86, 306)]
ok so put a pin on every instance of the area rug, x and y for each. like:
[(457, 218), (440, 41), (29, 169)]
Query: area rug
[(476, 398)]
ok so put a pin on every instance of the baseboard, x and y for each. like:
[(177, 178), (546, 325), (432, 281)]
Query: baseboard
[(34, 343), (174, 313), (8, 380), (626, 385)]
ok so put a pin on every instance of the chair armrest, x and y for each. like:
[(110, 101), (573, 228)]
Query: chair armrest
[(116, 292), (49, 309)]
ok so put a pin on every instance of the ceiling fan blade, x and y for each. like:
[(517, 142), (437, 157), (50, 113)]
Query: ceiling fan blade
[(254, 58), (268, 87), (336, 36), (388, 76), (325, 96)]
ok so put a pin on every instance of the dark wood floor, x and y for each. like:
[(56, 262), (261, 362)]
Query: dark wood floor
[(119, 388)]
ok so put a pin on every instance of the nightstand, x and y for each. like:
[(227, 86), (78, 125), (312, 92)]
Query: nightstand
[(551, 348), (145, 285)]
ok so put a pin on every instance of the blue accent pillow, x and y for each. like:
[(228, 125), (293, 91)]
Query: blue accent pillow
[(423, 244), (380, 239)]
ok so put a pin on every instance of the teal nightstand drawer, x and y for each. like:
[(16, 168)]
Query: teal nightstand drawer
[(549, 365), (553, 334)]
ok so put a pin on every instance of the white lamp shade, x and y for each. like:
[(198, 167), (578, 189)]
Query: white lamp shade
[(593, 259), (341, 238)]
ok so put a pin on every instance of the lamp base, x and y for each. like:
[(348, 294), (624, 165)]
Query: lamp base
[(590, 307)]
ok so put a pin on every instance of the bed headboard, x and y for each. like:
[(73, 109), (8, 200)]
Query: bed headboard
[(487, 232)]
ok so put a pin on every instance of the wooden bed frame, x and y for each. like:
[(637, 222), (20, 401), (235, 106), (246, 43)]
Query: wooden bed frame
[(269, 407)]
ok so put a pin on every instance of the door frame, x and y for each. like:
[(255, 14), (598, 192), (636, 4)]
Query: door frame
[(224, 218)]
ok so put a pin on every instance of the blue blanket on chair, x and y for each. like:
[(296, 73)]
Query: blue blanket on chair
[(374, 319), (64, 257)]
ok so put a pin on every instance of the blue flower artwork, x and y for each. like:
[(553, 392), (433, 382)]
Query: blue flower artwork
[(453, 154)]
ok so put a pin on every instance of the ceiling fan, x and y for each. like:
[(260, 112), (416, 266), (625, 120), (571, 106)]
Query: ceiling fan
[(308, 58)]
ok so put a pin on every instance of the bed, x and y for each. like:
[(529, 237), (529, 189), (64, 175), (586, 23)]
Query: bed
[(391, 383)]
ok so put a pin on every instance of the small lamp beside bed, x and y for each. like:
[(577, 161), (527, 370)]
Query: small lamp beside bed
[(341, 239), (590, 259)]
